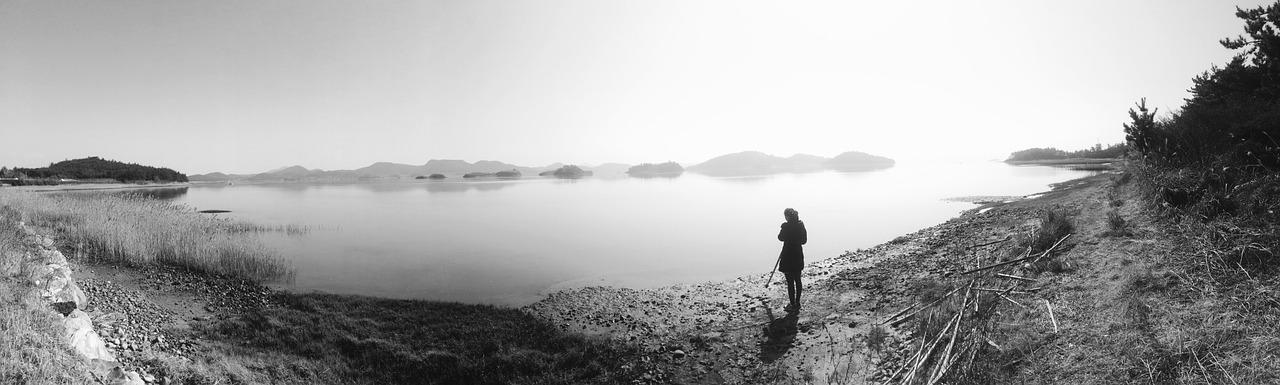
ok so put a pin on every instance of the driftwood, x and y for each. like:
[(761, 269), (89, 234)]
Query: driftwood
[(1037, 257), (1002, 275), (898, 321)]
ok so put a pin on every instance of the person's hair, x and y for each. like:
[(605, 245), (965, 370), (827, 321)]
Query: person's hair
[(791, 214)]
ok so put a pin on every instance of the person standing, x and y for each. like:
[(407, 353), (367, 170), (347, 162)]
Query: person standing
[(793, 235)]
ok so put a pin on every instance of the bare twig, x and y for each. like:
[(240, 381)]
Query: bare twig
[(991, 243), (1042, 255), (1051, 317), (1013, 277), (1055, 245), (1012, 301)]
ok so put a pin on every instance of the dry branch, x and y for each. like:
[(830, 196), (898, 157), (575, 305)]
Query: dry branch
[(1037, 257), (1002, 275), (1051, 317)]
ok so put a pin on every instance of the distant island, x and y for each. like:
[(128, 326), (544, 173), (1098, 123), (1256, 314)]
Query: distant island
[(569, 171), (648, 170), (510, 174), (1114, 151), (90, 170), (759, 163), (433, 169), (743, 163)]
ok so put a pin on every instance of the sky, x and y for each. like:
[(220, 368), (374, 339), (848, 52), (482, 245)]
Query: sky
[(250, 86)]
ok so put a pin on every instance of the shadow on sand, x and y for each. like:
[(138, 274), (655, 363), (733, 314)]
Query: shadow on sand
[(780, 336)]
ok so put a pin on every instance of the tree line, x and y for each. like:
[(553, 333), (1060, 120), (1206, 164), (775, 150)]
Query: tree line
[(92, 168), (1112, 151)]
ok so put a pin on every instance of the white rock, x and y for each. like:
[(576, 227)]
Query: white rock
[(53, 256), (83, 339), (120, 377)]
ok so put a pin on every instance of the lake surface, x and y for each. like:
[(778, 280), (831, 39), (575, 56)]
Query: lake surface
[(511, 241)]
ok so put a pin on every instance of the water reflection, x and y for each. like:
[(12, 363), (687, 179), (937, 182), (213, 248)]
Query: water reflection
[(505, 241)]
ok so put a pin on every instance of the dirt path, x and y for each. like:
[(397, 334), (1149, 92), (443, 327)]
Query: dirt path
[(736, 332)]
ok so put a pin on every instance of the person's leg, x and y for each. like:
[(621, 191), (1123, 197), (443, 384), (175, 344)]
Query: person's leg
[(799, 289), (791, 289)]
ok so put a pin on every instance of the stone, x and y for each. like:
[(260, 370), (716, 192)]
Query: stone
[(46, 242), (58, 278), (53, 256), (83, 339), (678, 354), (37, 272), (119, 376), (71, 293)]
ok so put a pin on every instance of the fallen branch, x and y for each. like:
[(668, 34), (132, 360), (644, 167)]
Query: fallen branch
[(1001, 290), (944, 296), (1037, 257), (1055, 245), (1014, 277), (1012, 301)]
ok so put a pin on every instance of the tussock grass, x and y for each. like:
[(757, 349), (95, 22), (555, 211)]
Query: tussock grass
[(137, 230), (1116, 225), (32, 345)]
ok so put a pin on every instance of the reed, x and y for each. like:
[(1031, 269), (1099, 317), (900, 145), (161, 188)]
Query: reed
[(138, 230)]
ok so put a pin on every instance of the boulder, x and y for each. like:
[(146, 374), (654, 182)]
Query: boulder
[(36, 273), (53, 256), (119, 376), (71, 293), (84, 339), (55, 281)]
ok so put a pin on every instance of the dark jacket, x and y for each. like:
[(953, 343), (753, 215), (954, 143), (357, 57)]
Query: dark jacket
[(792, 236)]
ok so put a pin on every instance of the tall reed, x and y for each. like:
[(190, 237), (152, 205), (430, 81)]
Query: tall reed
[(140, 230)]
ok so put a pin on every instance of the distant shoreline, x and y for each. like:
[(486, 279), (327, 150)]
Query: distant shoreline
[(1059, 162), (96, 186)]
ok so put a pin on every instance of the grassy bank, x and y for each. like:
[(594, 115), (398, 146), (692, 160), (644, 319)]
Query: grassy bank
[(32, 348), (138, 230)]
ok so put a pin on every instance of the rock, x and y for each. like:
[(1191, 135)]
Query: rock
[(46, 242), (83, 339), (120, 377), (71, 293), (53, 256), (678, 354)]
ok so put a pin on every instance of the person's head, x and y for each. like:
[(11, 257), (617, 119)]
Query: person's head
[(791, 214)]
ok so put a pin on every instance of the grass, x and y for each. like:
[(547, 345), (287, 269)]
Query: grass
[(137, 230), (327, 338), (32, 346)]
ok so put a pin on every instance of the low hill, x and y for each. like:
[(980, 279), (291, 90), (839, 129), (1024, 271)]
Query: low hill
[(95, 168), (668, 169), (759, 163), (858, 161)]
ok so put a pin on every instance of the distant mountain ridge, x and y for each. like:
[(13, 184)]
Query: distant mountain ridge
[(759, 163), (741, 163), (447, 167)]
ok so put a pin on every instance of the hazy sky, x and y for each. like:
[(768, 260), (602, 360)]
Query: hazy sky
[(248, 86)]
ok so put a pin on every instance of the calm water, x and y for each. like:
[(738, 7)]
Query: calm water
[(508, 242)]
